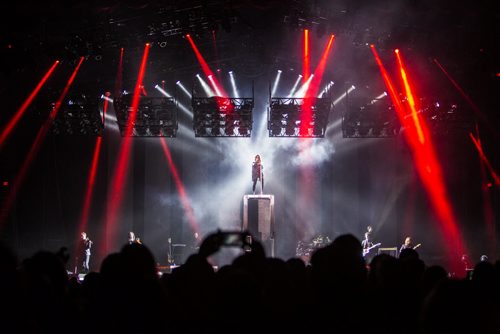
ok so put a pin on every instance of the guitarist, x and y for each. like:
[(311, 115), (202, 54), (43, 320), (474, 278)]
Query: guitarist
[(408, 244), (367, 243)]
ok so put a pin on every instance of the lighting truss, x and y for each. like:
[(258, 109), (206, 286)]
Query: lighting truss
[(156, 116), (180, 19), (371, 120), (222, 116), (285, 117), (445, 118), (78, 116), (379, 120)]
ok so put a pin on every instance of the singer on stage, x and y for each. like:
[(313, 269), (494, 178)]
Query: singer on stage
[(257, 174)]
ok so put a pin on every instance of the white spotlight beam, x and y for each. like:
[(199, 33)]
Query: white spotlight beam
[(211, 79), (180, 105), (341, 97), (302, 90), (111, 122), (380, 97), (161, 90), (326, 89), (107, 98), (295, 85), (233, 84), (190, 142), (205, 86), (179, 83), (275, 84)]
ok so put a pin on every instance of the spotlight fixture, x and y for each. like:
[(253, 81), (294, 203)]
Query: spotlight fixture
[(285, 117), (365, 119), (79, 116), (222, 116), (156, 116)]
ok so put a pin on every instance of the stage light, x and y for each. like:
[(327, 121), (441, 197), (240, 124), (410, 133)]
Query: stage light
[(377, 98), (214, 85), (161, 90), (188, 94), (4, 134), (233, 84), (326, 89), (286, 119), (206, 88), (179, 104), (206, 69), (210, 114), (275, 84), (79, 115), (156, 116), (303, 89), (295, 85), (341, 97), (107, 98)]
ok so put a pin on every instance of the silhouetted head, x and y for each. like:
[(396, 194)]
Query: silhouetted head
[(408, 253), (138, 261)]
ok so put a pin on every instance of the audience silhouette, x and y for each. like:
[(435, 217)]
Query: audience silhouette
[(337, 291)]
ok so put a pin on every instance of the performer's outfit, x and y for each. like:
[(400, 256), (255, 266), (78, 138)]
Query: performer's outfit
[(257, 175), (404, 247), (86, 245), (367, 244)]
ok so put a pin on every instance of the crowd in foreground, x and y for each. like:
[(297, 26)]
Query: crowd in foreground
[(337, 292)]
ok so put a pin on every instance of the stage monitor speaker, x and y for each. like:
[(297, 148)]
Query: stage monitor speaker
[(258, 219), (392, 251)]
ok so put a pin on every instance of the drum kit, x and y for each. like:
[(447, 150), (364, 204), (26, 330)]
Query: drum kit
[(304, 249)]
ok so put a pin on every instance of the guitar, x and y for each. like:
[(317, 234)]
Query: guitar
[(368, 249)]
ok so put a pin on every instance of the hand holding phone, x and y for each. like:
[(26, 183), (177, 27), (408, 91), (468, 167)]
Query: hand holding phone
[(213, 242)]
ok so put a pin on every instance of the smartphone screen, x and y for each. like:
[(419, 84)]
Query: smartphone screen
[(232, 239)]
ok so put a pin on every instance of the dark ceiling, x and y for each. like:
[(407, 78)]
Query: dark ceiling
[(254, 37)]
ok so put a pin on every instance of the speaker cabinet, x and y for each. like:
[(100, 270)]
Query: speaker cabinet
[(258, 219)]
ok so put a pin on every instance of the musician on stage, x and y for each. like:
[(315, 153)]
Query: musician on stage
[(408, 244), (367, 241), (85, 246), (132, 239)]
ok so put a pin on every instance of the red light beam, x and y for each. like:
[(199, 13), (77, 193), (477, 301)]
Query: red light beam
[(120, 173), (206, 69), (306, 67), (180, 188), (313, 88), (485, 160), (426, 163), (20, 112), (430, 172), (40, 137)]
